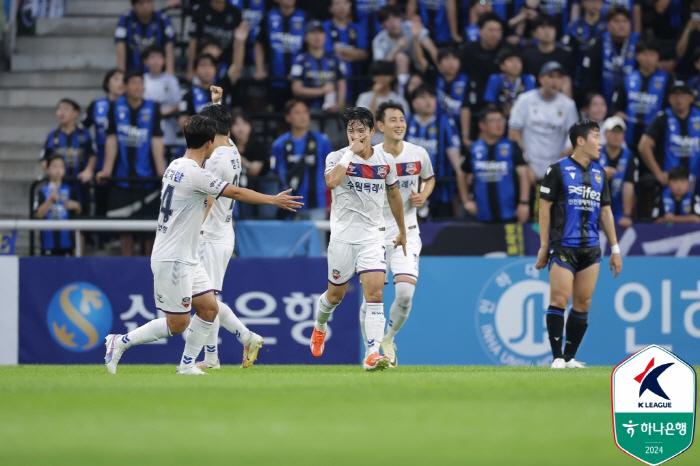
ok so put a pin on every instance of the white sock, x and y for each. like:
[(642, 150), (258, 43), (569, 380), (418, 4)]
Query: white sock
[(152, 331), (363, 315), (211, 346), (195, 336), (324, 310), (374, 326), (400, 308), (230, 322)]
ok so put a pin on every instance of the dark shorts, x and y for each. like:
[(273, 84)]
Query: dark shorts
[(574, 259), (133, 203)]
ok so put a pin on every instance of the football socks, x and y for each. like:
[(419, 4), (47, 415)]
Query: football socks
[(555, 329), (576, 325), (400, 308), (152, 331), (195, 336), (324, 309), (374, 325)]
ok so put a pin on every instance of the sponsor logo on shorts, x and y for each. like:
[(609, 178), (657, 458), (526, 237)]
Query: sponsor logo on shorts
[(186, 302)]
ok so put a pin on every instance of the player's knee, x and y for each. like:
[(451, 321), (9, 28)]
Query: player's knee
[(375, 296), (582, 305), (404, 293), (177, 327), (559, 300)]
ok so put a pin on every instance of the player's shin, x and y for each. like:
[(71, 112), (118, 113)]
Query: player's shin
[(363, 316), (195, 337), (233, 324), (400, 308), (576, 325), (324, 310), (555, 329), (147, 333), (211, 346), (374, 326)]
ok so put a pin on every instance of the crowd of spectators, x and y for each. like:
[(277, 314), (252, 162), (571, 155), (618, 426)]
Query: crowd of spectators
[(489, 88)]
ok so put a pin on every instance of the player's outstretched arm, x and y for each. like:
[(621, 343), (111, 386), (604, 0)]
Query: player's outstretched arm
[(396, 204), (283, 200), (608, 222), (545, 218)]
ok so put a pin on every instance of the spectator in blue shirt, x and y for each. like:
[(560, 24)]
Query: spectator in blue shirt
[(199, 96), (677, 202), (140, 28), (452, 85), (503, 88), (299, 156), (319, 76)]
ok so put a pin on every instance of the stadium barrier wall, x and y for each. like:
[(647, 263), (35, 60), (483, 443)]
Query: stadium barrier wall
[(465, 311)]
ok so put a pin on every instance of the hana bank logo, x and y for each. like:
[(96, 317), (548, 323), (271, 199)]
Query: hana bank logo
[(79, 317)]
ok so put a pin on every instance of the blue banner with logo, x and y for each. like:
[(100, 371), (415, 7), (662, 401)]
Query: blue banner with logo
[(492, 311), (7, 242), (68, 306)]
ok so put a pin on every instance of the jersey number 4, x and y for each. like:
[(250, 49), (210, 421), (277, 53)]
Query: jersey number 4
[(165, 203)]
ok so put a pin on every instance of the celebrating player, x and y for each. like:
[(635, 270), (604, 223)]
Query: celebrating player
[(179, 278), (574, 196), (412, 166), (358, 176)]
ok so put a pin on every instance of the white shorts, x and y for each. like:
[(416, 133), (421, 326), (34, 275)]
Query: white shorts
[(404, 265), (176, 283), (344, 259), (214, 257)]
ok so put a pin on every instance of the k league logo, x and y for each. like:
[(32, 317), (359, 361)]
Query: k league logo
[(510, 316)]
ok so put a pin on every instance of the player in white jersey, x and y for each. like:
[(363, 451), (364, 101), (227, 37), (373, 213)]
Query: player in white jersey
[(217, 240), (416, 181), (179, 279), (361, 179)]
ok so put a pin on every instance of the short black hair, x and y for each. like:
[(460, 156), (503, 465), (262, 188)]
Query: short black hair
[(618, 10), (132, 74), (291, 103), (55, 157), (204, 56), (590, 96), (205, 41), (581, 129), (648, 42), (507, 52), (388, 10), (446, 52), (155, 48), (220, 115), (381, 110), (71, 102), (198, 131), (382, 67), (678, 173), (361, 114), (108, 76), (486, 111), (544, 20), (486, 17), (421, 90)]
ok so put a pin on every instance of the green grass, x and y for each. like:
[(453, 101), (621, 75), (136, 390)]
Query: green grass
[(310, 415)]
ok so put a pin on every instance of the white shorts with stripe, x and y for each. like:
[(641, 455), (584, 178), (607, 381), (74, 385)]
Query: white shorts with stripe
[(345, 259), (215, 257), (407, 265), (176, 283)]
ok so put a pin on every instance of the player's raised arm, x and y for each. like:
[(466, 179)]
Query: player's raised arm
[(335, 174), (283, 200)]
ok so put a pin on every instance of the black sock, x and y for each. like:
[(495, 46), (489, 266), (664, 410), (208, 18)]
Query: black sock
[(576, 325), (555, 329)]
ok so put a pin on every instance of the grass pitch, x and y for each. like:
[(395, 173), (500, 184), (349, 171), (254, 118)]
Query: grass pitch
[(310, 415)]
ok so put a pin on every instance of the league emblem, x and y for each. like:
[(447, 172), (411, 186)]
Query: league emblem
[(336, 274), (186, 302)]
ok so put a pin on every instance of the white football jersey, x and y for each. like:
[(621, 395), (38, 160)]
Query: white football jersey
[(224, 164), (183, 196), (358, 201), (412, 165)]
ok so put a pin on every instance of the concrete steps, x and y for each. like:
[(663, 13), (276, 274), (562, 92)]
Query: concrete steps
[(93, 26), (87, 61), (47, 98), (32, 117), (20, 170), (53, 79), (27, 150), (63, 45), (107, 7)]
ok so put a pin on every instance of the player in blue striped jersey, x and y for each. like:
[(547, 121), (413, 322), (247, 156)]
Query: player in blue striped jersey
[(574, 199)]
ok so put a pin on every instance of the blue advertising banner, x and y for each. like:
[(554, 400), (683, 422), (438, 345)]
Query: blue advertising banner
[(69, 305), (492, 311)]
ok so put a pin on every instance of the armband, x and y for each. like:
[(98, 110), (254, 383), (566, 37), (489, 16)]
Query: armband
[(615, 249), (347, 157)]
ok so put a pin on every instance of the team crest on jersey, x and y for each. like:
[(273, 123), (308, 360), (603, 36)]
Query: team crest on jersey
[(657, 85), (410, 168), (432, 130), (382, 171), (312, 145), (696, 125), (504, 151), (336, 274), (352, 34), (186, 302), (351, 170), (598, 178)]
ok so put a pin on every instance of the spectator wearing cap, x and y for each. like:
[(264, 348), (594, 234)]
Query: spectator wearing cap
[(612, 56), (673, 137), (142, 27), (621, 168), (689, 43), (677, 203), (383, 90), (540, 122), (281, 38), (318, 76), (349, 41), (547, 50), (643, 93), (504, 87)]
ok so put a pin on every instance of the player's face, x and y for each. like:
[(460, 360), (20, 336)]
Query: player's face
[(155, 63), (449, 65), (65, 113), (116, 84), (597, 109), (358, 131), (206, 71), (240, 130), (615, 137), (316, 39), (134, 88), (648, 59), (298, 117), (425, 104), (394, 124), (512, 66), (619, 26), (340, 9), (679, 188), (545, 34), (144, 8), (57, 169), (593, 145), (491, 33)]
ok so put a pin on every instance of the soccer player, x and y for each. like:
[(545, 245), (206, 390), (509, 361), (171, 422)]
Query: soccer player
[(358, 177), (217, 239), (574, 198), (179, 278), (416, 182)]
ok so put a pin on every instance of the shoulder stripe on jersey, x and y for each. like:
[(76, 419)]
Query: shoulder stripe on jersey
[(222, 190), (408, 169), (372, 172)]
